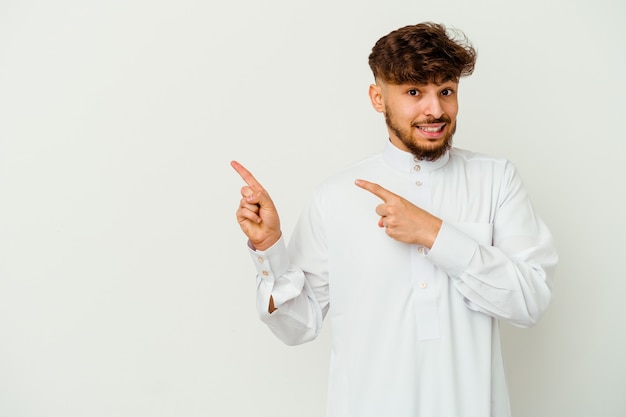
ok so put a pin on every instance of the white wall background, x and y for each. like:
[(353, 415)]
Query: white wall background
[(125, 286)]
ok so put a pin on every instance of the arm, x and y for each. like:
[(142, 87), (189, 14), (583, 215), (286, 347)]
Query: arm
[(511, 278), (257, 215), (285, 301)]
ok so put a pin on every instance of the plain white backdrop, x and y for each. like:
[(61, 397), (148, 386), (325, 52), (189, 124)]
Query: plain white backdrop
[(125, 286)]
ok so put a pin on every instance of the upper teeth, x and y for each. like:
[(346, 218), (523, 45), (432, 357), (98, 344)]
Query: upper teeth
[(430, 129)]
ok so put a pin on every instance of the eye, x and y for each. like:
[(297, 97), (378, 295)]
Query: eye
[(447, 92), (413, 92)]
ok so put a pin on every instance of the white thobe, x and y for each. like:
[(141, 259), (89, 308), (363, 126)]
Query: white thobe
[(414, 330)]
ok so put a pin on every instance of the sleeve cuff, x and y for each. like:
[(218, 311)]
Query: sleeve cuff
[(272, 262), (452, 250)]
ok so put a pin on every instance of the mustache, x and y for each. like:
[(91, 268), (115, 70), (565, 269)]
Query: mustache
[(432, 120)]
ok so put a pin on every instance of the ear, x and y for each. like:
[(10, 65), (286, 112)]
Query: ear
[(376, 97)]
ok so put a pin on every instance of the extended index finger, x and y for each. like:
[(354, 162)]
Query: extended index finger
[(246, 176), (375, 189)]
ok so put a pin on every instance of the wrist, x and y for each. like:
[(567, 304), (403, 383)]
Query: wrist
[(431, 236), (266, 243)]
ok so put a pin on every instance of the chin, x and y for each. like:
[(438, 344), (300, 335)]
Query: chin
[(430, 151)]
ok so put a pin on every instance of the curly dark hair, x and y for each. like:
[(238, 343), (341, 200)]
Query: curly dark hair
[(423, 53)]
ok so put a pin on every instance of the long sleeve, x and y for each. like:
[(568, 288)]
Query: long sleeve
[(298, 316), (510, 277)]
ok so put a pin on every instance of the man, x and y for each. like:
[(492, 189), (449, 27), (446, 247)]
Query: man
[(416, 269)]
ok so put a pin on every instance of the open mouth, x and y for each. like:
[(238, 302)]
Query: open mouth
[(432, 129)]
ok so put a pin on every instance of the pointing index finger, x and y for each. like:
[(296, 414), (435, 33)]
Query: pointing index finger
[(246, 176), (375, 189)]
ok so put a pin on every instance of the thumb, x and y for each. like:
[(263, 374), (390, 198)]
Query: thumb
[(260, 198), (246, 191)]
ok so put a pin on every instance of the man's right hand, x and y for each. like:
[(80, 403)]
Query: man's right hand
[(257, 215)]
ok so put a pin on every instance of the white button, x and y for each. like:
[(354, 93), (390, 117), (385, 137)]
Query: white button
[(418, 183), (417, 167), (260, 259), (265, 273), (421, 249), (422, 284)]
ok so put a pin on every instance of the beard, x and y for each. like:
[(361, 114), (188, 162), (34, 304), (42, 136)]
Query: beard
[(421, 152)]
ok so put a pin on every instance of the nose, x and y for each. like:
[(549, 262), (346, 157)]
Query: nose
[(433, 107)]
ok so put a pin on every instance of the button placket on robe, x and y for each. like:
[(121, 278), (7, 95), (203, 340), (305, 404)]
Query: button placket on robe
[(422, 270)]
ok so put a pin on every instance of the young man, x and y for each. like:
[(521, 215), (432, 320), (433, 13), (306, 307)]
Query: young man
[(414, 255)]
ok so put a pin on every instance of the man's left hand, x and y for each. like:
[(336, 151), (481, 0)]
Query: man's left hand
[(402, 220)]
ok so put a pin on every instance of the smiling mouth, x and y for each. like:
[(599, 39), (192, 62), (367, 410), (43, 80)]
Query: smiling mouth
[(431, 129)]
